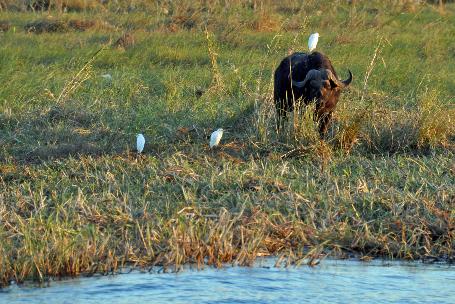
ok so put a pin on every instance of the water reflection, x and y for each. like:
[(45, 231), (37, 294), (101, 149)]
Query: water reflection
[(332, 281)]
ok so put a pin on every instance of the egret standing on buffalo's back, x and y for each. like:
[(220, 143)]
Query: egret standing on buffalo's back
[(313, 41)]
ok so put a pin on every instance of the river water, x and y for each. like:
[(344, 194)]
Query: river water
[(333, 281)]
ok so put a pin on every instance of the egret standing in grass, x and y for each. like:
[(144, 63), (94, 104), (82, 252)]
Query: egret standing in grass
[(216, 137), (313, 41), (140, 142)]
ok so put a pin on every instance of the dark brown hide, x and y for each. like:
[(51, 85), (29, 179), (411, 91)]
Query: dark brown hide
[(307, 77)]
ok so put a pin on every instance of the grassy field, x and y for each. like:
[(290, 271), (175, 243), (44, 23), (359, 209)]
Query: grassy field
[(75, 198)]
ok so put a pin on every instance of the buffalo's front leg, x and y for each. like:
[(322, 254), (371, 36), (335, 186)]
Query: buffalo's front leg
[(324, 120), (281, 113)]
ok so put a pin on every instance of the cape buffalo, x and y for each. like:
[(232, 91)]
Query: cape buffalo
[(308, 77)]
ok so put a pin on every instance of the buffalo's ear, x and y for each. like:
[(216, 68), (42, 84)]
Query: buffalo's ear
[(333, 84)]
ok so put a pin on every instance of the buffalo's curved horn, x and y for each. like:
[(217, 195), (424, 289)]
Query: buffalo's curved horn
[(311, 75), (336, 81), (347, 81)]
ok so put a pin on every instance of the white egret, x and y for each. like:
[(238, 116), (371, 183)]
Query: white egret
[(313, 41), (140, 142), (216, 137)]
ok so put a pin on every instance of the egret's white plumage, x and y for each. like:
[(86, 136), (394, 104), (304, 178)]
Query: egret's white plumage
[(140, 143), (216, 137), (313, 41)]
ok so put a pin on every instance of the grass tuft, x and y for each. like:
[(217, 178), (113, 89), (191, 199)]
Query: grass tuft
[(436, 121)]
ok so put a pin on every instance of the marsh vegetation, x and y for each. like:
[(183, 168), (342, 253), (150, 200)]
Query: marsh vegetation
[(75, 198)]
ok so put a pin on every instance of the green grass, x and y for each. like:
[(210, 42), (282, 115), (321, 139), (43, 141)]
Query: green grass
[(75, 198)]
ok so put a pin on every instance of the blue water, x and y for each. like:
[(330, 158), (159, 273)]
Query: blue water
[(332, 281)]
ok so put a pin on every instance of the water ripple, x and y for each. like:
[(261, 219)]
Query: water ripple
[(332, 281)]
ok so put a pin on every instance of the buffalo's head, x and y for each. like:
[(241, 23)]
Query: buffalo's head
[(321, 84)]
